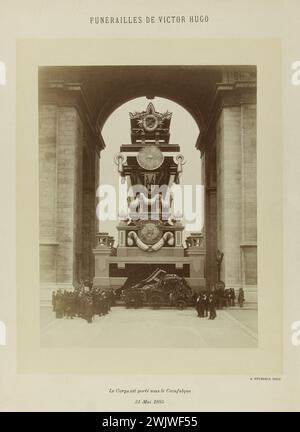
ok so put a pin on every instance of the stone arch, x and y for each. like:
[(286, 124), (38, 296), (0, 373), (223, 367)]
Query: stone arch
[(114, 105), (221, 99), (107, 110)]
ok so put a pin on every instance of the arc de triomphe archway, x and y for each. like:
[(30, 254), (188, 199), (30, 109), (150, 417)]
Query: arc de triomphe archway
[(74, 103)]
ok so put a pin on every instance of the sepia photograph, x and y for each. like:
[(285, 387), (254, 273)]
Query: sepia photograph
[(148, 206), (150, 214)]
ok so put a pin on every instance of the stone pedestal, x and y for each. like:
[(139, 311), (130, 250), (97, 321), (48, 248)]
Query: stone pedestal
[(102, 254), (196, 253)]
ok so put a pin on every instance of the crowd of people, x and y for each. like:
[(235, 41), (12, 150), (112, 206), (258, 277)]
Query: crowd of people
[(208, 301), (86, 301), (83, 302)]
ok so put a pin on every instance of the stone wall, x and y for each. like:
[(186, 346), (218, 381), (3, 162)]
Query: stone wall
[(67, 131), (87, 215), (77, 273), (231, 197), (67, 198), (249, 196), (210, 215), (229, 194), (47, 191)]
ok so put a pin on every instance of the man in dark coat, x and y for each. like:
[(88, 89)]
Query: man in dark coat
[(104, 303), (59, 304), (241, 297), (211, 307), (67, 304), (89, 308), (95, 300), (71, 305), (98, 306), (232, 297), (205, 303), (198, 305), (81, 301), (112, 297), (53, 300), (226, 297), (218, 298), (76, 302)]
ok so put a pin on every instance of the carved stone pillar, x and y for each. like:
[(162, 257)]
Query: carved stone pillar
[(230, 206), (67, 193)]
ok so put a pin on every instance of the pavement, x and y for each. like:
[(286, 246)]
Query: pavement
[(148, 328)]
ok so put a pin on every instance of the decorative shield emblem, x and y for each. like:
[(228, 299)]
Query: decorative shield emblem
[(150, 157), (150, 233), (150, 122)]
